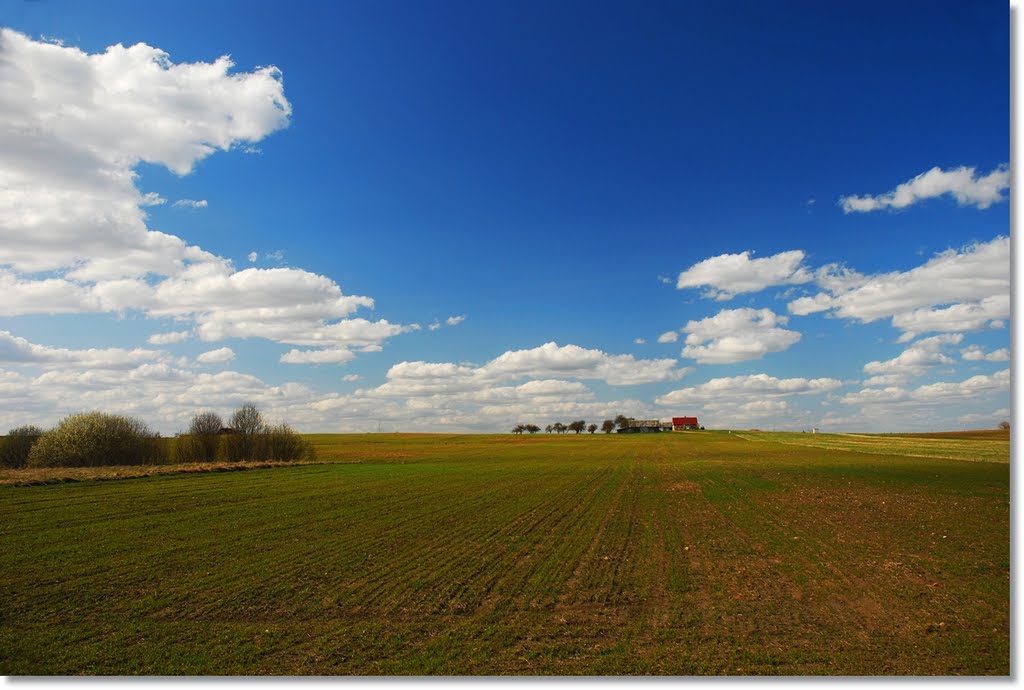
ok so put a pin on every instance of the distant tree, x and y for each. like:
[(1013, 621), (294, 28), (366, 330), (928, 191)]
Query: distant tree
[(15, 447), (592, 428), (577, 426), (204, 430), (1004, 425), (248, 420), (206, 423), (622, 421), (559, 427), (607, 426), (549, 428), (532, 428), (518, 429), (246, 443)]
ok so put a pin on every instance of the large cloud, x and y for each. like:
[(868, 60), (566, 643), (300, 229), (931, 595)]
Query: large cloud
[(74, 126), (942, 393), (746, 388), (913, 361), (962, 183), (728, 275), (975, 353), (738, 401), (957, 290), (574, 361), (737, 335), (17, 350), (548, 361), (218, 356)]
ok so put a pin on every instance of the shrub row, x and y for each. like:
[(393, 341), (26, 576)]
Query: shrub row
[(16, 445), (271, 443), (95, 438)]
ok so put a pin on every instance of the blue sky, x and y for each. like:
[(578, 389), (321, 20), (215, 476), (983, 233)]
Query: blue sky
[(461, 216)]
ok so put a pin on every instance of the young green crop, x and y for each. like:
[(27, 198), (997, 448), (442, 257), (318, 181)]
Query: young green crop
[(676, 554)]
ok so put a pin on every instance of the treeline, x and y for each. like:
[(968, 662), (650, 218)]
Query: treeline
[(579, 426), (96, 439)]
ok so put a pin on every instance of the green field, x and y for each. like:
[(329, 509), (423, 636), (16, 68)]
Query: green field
[(680, 554)]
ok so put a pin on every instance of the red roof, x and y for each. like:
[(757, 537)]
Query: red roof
[(681, 421)]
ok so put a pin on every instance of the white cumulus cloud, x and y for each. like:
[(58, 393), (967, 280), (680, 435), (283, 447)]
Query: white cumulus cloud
[(962, 183), (956, 290), (913, 361), (975, 353), (218, 356), (168, 338), (548, 361), (744, 389), (552, 360), (18, 350), (74, 126), (334, 355), (753, 399), (737, 335), (943, 392), (190, 203), (728, 275)]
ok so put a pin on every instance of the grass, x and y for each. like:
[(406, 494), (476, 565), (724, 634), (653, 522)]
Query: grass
[(679, 554)]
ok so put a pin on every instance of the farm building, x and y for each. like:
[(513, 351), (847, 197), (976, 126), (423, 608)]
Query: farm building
[(684, 423), (641, 426)]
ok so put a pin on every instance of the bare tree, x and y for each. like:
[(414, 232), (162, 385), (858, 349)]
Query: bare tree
[(247, 441), (248, 420), (205, 432)]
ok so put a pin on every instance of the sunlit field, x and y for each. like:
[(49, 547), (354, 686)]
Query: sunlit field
[(680, 553)]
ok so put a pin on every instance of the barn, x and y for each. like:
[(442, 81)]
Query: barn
[(641, 426), (684, 423)]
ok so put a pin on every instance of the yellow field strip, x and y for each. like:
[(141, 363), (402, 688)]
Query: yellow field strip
[(954, 449)]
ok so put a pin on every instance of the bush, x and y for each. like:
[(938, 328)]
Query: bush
[(283, 444), (189, 448), (15, 447), (94, 439)]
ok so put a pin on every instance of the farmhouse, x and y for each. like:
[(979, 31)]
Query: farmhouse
[(684, 423)]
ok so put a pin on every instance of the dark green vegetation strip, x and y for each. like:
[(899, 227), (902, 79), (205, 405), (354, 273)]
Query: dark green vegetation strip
[(670, 554)]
